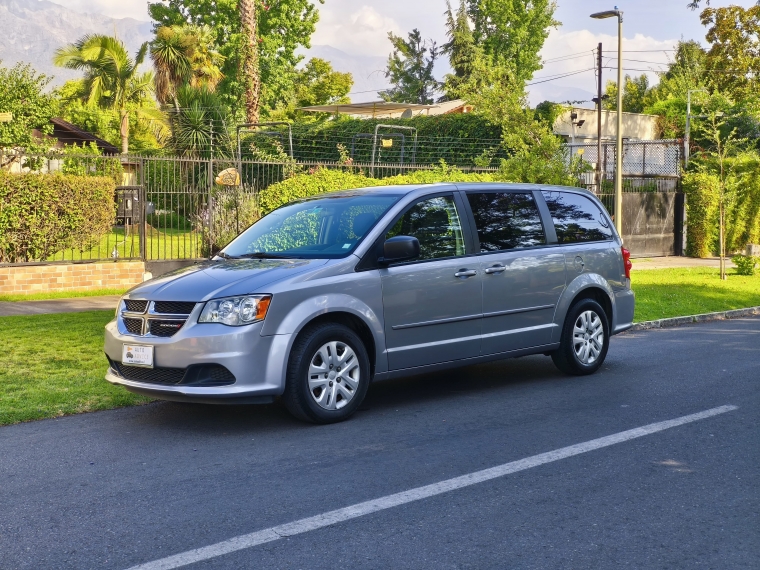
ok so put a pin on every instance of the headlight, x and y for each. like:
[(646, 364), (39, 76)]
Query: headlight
[(236, 311)]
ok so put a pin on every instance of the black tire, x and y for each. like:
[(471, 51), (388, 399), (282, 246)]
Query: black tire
[(565, 357), (298, 397)]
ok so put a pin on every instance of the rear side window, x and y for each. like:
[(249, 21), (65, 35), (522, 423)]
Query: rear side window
[(576, 218), (435, 223), (506, 220)]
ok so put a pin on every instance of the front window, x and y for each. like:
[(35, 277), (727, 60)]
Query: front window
[(323, 228), (435, 223)]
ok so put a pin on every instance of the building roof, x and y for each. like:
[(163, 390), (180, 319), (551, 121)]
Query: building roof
[(389, 109), (68, 134), (369, 109)]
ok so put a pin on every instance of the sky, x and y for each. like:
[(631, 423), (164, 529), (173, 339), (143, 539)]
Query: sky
[(360, 28)]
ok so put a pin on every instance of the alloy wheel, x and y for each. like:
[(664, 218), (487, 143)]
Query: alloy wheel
[(588, 337), (334, 375)]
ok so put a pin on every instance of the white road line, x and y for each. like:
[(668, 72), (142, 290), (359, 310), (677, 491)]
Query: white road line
[(360, 509)]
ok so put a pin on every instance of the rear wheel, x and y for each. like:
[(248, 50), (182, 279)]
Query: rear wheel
[(328, 374), (585, 339)]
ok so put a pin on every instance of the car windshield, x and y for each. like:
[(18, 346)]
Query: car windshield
[(323, 228)]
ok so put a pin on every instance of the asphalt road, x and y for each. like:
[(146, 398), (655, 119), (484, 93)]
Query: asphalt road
[(116, 489)]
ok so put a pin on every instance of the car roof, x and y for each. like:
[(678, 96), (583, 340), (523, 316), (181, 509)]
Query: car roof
[(405, 189)]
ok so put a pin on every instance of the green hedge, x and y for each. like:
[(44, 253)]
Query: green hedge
[(326, 180), (742, 208), (41, 214)]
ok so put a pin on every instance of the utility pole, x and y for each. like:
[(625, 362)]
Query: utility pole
[(599, 173), (619, 143)]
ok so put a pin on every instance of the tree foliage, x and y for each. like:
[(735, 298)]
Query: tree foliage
[(23, 92), (283, 26), (112, 79), (410, 69), (461, 49), (184, 55), (733, 61), (513, 32)]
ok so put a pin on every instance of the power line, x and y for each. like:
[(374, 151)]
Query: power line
[(545, 80)]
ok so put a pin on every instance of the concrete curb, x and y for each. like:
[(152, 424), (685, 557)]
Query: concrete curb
[(704, 318)]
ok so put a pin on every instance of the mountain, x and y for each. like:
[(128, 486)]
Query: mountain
[(31, 31)]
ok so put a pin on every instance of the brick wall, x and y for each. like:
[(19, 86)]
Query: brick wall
[(75, 277)]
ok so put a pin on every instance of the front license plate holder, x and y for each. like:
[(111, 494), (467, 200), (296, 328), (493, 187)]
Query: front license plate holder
[(137, 355)]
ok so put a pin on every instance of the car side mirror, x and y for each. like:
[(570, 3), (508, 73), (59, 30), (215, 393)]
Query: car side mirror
[(400, 248)]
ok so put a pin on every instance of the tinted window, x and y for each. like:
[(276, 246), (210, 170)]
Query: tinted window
[(435, 223), (506, 220), (576, 218)]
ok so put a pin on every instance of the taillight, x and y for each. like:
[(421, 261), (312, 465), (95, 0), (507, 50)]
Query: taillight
[(627, 262)]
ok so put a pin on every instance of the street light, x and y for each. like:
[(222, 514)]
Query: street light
[(687, 137), (619, 150)]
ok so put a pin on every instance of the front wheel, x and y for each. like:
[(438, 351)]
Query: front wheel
[(585, 339), (328, 374)]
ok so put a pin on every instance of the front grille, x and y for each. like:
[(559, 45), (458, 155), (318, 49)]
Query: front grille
[(165, 328), (200, 376), (167, 376), (136, 306), (134, 326), (173, 308)]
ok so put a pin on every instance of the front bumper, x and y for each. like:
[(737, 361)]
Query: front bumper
[(257, 362)]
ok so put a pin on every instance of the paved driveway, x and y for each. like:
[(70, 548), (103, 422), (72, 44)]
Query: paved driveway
[(122, 488)]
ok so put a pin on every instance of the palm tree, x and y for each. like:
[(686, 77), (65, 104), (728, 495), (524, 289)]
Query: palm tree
[(182, 55), (112, 79), (250, 59)]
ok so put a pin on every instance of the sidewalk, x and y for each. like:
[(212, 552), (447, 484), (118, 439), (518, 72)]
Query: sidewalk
[(15, 308)]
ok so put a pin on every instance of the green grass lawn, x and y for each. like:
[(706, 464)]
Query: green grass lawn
[(61, 295), (53, 365), (663, 293), (163, 244)]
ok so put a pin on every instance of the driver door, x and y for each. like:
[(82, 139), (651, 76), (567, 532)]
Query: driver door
[(433, 304)]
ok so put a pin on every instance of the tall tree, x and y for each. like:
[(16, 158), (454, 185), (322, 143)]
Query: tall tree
[(184, 55), (733, 61), (250, 73), (283, 27), (23, 92), (112, 78), (319, 84), (410, 69), (636, 97), (460, 47), (513, 31)]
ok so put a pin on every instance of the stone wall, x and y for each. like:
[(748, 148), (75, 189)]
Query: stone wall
[(20, 279)]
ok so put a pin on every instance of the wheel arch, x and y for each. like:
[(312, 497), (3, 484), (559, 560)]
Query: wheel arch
[(586, 286)]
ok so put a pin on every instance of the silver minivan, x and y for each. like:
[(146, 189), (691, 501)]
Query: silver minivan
[(324, 295)]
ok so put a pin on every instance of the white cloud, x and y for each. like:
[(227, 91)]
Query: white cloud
[(363, 32), (572, 52)]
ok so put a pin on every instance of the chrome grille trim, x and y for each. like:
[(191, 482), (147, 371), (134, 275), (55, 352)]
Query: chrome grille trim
[(153, 322)]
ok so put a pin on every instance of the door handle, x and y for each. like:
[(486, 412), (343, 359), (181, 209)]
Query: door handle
[(465, 273), (496, 269)]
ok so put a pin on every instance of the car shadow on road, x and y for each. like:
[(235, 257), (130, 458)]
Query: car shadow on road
[(433, 389)]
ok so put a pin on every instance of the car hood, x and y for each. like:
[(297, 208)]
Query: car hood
[(214, 279)]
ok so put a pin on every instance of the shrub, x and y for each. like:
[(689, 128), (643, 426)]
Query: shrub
[(701, 191), (41, 214), (745, 264), (233, 211), (169, 221)]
